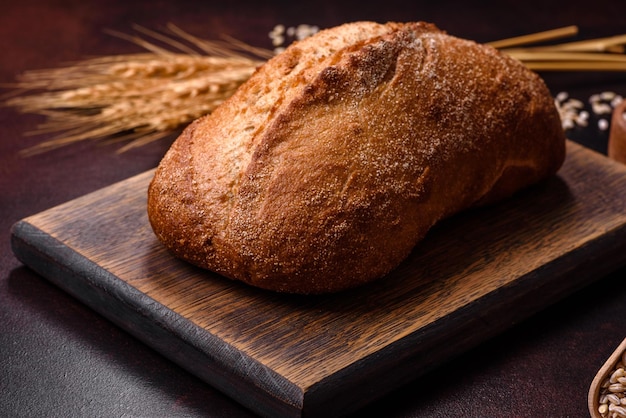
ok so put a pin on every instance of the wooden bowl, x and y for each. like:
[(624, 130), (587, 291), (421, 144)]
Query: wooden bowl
[(609, 367)]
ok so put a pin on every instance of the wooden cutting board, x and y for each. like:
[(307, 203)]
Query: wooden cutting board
[(282, 355)]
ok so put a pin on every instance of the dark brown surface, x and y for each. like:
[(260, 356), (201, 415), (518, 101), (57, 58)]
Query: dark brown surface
[(59, 358)]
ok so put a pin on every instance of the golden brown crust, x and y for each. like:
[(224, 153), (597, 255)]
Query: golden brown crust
[(325, 169)]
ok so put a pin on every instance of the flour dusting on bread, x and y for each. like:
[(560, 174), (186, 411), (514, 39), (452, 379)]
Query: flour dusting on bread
[(337, 156)]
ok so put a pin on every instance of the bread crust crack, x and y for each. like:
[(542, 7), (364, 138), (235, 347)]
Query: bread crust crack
[(323, 171)]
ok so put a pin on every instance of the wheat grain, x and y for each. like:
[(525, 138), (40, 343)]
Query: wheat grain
[(612, 396)]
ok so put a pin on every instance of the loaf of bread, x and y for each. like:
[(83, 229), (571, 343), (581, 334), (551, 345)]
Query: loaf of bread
[(325, 168)]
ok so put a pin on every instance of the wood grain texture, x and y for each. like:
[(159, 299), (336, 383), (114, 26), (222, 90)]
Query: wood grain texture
[(475, 275)]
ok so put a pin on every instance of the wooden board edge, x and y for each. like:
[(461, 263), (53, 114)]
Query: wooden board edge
[(203, 355), (402, 362)]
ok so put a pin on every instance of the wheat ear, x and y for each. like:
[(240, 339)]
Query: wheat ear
[(140, 97)]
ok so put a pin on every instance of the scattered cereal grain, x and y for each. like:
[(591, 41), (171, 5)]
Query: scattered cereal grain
[(603, 124)]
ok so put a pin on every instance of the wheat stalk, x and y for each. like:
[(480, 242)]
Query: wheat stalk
[(139, 98)]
